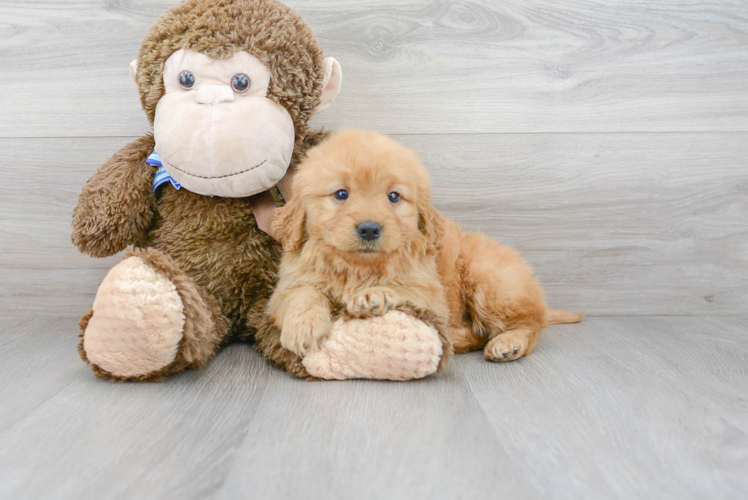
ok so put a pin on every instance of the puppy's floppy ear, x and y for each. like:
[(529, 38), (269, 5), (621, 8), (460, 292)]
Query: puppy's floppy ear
[(288, 225), (430, 223)]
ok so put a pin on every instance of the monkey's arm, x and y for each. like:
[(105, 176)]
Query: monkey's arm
[(116, 206)]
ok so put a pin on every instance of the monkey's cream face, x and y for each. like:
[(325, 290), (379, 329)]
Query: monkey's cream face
[(216, 131)]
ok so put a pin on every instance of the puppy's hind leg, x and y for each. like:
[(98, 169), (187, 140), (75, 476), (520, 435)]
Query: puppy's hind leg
[(511, 344), (520, 341), (505, 301), (511, 328), (465, 340)]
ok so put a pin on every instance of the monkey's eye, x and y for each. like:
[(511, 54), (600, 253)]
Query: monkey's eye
[(394, 197), (341, 195), (240, 83), (186, 80)]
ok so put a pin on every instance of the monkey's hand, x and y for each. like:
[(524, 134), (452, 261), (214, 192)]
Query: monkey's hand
[(116, 206)]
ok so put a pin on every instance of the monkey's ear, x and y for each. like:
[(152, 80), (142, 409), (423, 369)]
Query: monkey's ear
[(134, 71), (331, 84)]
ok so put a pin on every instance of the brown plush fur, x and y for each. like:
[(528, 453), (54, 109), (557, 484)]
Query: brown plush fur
[(484, 290), (205, 327), (116, 207), (211, 245), (267, 29)]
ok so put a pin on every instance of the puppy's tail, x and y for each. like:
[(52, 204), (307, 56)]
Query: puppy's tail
[(561, 317)]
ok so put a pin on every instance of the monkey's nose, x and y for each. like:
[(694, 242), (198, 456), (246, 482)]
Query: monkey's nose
[(369, 230), (214, 94)]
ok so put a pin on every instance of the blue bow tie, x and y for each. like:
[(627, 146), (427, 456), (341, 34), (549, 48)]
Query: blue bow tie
[(161, 176)]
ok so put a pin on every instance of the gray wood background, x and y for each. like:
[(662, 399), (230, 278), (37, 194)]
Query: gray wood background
[(607, 140)]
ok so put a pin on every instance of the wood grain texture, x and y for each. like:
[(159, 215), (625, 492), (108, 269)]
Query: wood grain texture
[(712, 349), (607, 140), (372, 440), (40, 270), (622, 408), (637, 226), (414, 67), (36, 351), (88, 438), (612, 223)]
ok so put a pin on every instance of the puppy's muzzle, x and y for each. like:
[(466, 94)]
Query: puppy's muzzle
[(369, 231)]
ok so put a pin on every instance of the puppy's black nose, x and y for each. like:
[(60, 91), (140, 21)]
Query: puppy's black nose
[(369, 231)]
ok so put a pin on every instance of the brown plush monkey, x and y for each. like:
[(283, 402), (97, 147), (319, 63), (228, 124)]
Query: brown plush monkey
[(229, 87)]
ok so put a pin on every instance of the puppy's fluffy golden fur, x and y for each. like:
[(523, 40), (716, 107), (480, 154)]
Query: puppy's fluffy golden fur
[(484, 290)]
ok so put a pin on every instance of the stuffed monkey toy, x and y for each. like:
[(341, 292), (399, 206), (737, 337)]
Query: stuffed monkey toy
[(229, 87)]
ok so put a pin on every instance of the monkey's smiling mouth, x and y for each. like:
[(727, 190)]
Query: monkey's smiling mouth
[(213, 177)]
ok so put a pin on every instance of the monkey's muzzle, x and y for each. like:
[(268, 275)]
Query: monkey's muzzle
[(214, 144)]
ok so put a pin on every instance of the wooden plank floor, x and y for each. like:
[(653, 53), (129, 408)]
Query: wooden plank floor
[(647, 407)]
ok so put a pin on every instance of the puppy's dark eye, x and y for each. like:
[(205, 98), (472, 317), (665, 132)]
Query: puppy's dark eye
[(394, 197), (240, 83), (341, 195), (186, 80)]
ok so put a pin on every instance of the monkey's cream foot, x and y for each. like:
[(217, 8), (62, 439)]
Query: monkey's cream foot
[(394, 346), (508, 346), (139, 327), (137, 322)]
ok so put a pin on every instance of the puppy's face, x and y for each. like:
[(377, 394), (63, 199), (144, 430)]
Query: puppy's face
[(362, 195)]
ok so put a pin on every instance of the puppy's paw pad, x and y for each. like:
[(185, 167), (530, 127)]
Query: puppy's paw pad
[(376, 301), (505, 348)]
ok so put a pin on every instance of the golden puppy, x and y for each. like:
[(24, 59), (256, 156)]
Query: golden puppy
[(361, 232)]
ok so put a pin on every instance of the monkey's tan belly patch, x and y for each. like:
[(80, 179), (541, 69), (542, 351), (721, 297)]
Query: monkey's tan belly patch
[(364, 349), (137, 321)]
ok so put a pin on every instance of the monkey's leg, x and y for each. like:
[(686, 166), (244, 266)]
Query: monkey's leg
[(148, 320)]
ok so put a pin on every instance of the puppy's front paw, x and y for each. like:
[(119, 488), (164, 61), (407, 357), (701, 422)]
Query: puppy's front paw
[(302, 332), (371, 301)]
